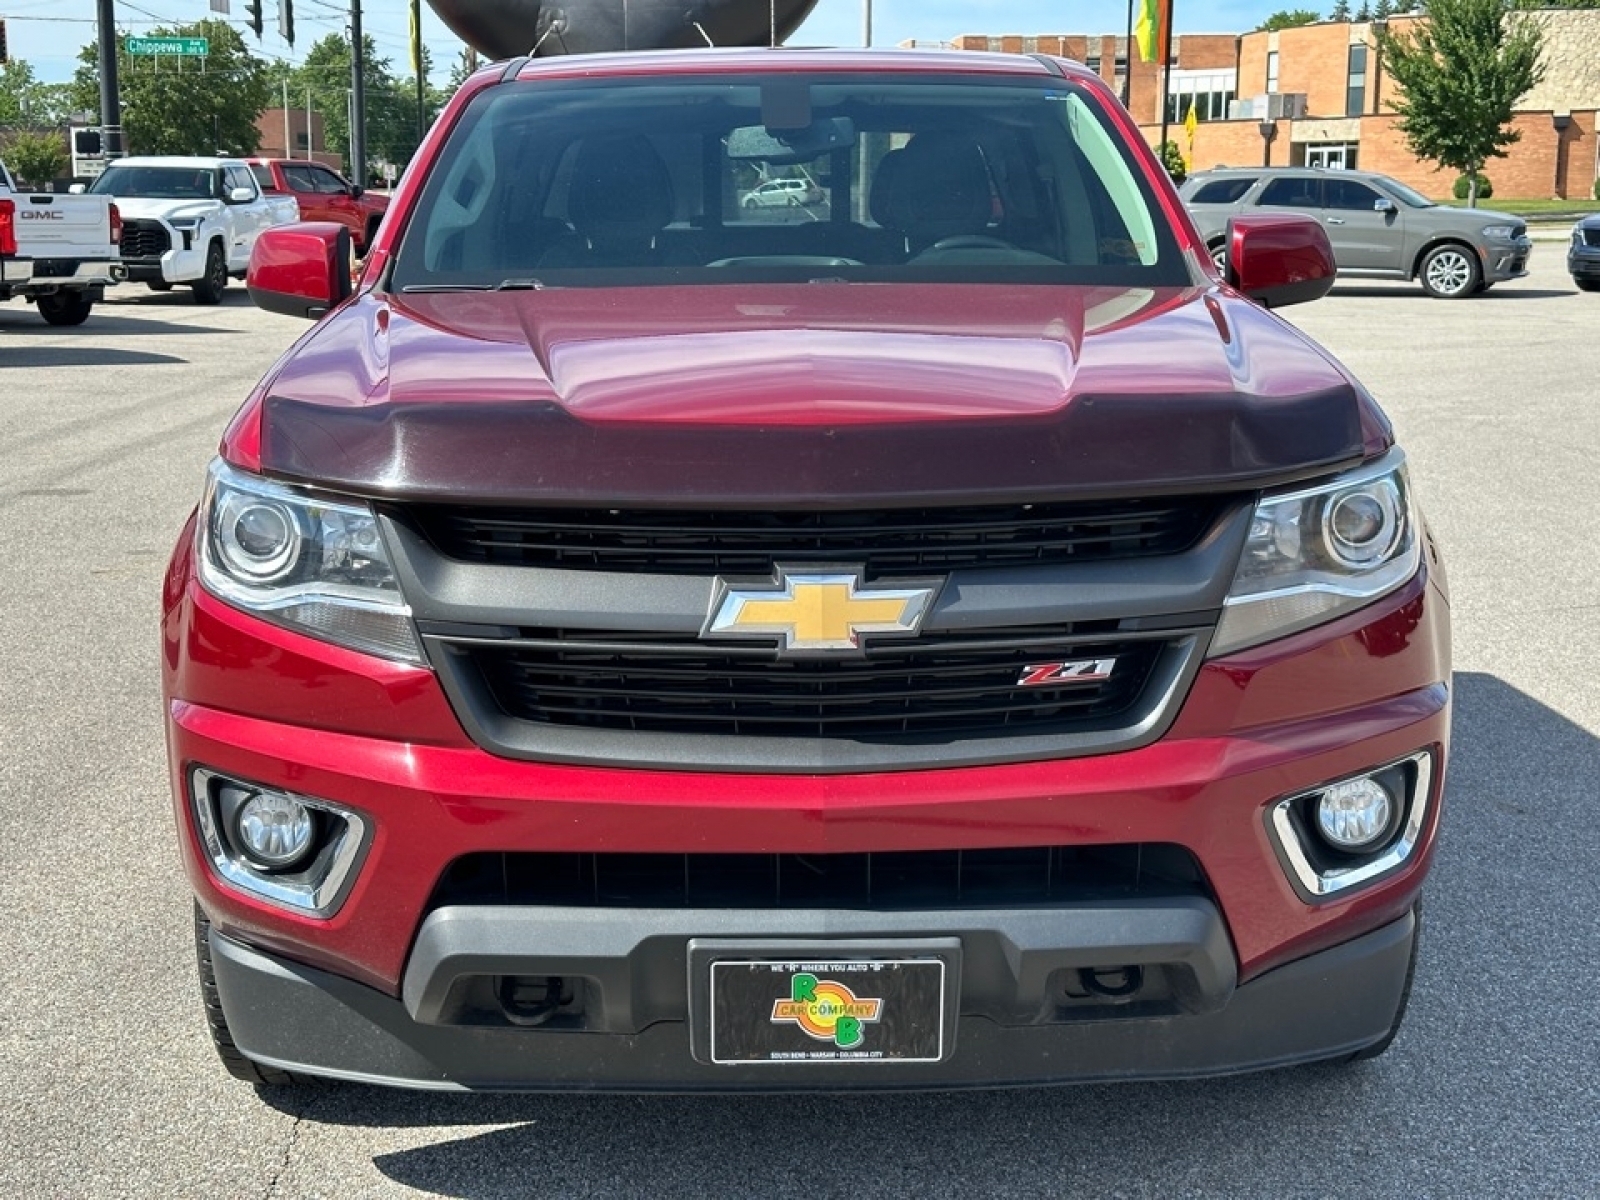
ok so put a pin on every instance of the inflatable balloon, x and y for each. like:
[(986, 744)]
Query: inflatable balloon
[(507, 28)]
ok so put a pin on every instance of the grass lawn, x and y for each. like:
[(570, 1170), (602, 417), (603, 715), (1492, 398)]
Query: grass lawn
[(1534, 208)]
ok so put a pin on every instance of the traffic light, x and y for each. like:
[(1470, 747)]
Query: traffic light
[(5, 57), (286, 20), (253, 7)]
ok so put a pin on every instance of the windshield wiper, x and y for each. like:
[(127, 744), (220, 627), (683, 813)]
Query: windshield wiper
[(447, 287), (520, 285)]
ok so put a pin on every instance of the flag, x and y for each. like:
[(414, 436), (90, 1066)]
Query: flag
[(416, 39), (1151, 29), (1189, 123)]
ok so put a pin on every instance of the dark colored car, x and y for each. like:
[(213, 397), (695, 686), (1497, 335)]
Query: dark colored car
[(323, 195), (1379, 227), (1583, 254), (958, 640)]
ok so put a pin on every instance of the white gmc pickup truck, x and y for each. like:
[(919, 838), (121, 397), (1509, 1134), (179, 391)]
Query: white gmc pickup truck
[(190, 220), (58, 251)]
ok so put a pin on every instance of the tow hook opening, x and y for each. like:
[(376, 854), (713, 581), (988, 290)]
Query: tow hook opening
[(531, 1000), (1111, 982)]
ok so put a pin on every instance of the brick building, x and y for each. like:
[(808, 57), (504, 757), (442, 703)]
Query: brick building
[(1316, 95), (305, 136)]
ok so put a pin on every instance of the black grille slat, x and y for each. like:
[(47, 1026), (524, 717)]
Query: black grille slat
[(888, 880), (947, 685), (144, 239), (1591, 237), (883, 541)]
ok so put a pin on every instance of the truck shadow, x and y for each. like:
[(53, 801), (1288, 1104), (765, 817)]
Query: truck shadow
[(1501, 291), (1493, 1030), (81, 356)]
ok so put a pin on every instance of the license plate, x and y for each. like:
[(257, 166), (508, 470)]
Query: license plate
[(814, 1010)]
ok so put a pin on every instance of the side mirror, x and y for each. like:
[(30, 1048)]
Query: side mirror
[(241, 196), (301, 270), (77, 189), (1383, 204), (357, 191), (1280, 258)]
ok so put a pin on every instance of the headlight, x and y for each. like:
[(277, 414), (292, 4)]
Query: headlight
[(1500, 232), (185, 222), (1577, 235), (1315, 554), (295, 558)]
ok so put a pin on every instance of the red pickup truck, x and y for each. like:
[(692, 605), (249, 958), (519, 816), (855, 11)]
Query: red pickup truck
[(948, 636), (323, 195)]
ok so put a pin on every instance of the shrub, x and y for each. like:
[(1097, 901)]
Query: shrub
[(1172, 159), (1485, 188)]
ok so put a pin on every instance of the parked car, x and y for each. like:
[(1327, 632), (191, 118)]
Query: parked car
[(1583, 254), (323, 195), (625, 646), (1379, 227), (190, 220), (783, 193), (60, 252)]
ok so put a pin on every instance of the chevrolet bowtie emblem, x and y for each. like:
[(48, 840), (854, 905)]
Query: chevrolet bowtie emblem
[(817, 609)]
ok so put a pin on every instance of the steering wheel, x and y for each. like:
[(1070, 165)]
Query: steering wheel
[(971, 241)]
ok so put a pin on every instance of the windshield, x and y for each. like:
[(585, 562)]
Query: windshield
[(1407, 195), (721, 179), (157, 183)]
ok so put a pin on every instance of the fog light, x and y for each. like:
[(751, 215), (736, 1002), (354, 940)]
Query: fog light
[(275, 831), (1355, 815)]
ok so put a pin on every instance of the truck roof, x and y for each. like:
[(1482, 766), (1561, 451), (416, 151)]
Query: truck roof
[(739, 60), (175, 160)]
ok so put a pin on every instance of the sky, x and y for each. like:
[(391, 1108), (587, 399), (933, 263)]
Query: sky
[(49, 33)]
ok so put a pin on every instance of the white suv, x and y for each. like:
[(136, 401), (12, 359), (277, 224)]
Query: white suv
[(782, 193)]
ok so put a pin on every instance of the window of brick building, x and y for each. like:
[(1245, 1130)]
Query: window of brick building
[(1272, 70), (1355, 94)]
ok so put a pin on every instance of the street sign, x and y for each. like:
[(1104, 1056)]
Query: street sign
[(188, 47)]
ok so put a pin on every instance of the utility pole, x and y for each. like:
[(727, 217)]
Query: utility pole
[(358, 96), (110, 97), (288, 145), (866, 23)]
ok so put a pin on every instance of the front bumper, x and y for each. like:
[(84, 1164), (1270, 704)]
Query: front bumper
[(1583, 262), (175, 266), (259, 703), (1331, 1004), (1505, 260)]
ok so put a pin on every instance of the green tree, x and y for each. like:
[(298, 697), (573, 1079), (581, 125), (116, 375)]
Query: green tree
[(1459, 75), (26, 101), (1364, 13), (466, 62), (185, 106), (1341, 11), (1382, 10), (1288, 18), (36, 158), (391, 103)]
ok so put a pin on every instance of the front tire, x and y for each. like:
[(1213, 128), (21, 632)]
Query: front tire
[(1588, 285), (1449, 272), (233, 1059), (209, 287), (1219, 257), (65, 308)]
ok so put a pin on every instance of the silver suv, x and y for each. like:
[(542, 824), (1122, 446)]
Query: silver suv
[(1380, 228)]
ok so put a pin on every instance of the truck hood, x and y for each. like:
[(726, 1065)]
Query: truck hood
[(826, 393), (147, 208)]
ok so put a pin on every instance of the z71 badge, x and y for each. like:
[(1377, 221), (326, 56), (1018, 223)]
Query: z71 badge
[(1084, 670)]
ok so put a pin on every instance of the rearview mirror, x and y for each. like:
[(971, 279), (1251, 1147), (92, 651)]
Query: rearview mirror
[(1382, 204), (241, 196), (301, 270), (1279, 258), (785, 147)]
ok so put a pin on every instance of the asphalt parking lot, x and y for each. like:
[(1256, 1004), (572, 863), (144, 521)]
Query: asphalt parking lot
[(108, 1084)]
